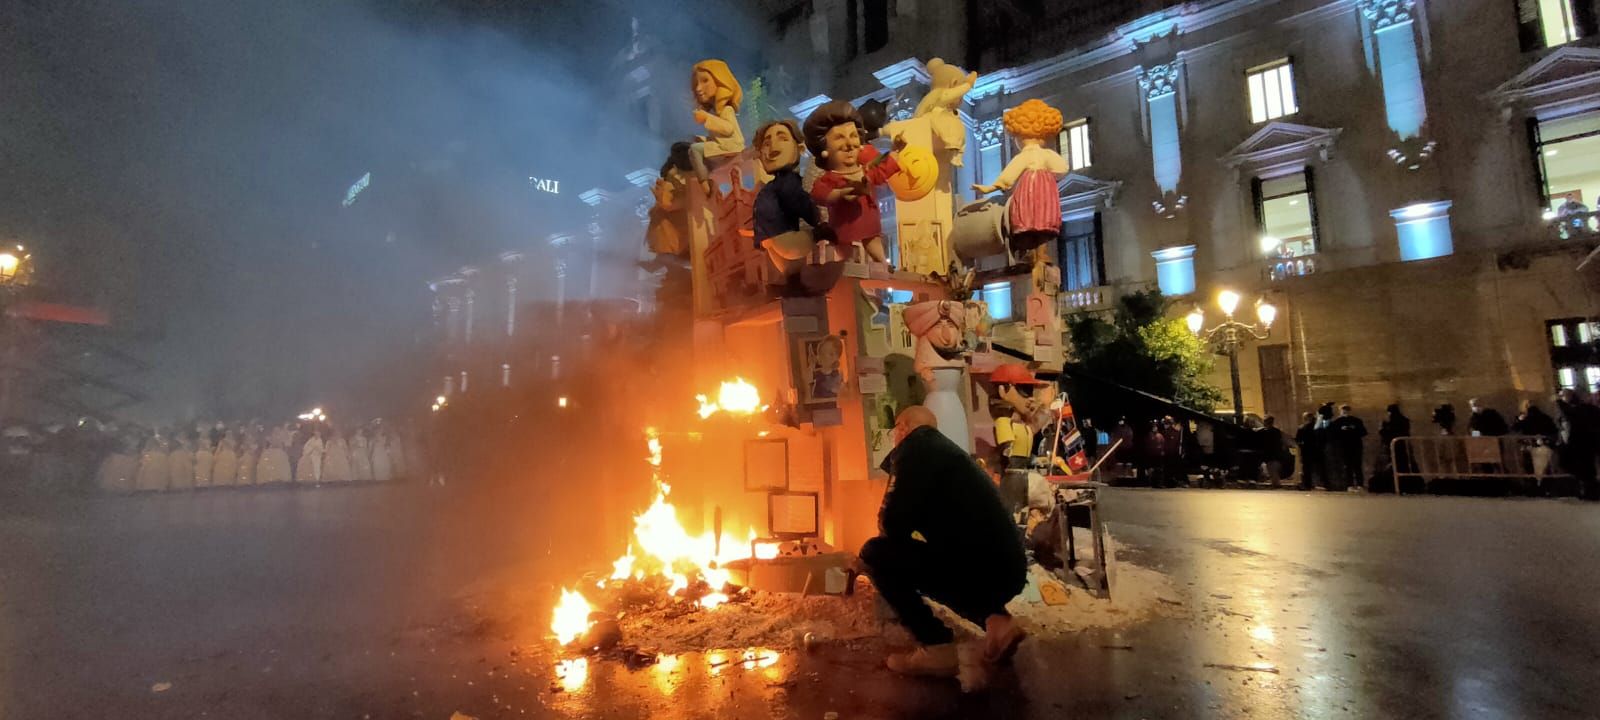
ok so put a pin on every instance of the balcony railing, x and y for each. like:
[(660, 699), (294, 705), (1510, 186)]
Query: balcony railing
[(1290, 267)]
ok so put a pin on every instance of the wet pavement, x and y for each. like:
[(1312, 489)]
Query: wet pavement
[(401, 602)]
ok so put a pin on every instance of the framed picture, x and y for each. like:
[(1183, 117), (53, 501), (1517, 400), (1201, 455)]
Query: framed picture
[(823, 372), (793, 515), (766, 464)]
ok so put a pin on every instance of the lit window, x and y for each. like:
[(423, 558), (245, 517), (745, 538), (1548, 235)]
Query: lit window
[(998, 296), (1286, 215), (1558, 335), (1567, 151), (1585, 332), (1272, 91), (1568, 377), (1075, 144), (1548, 23), (1591, 375)]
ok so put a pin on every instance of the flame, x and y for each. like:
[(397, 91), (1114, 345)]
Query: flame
[(736, 396), (571, 617), (573, 673), (663, 548)]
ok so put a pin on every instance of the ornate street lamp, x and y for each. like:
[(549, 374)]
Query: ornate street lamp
[(14, 266), (1230, 335)]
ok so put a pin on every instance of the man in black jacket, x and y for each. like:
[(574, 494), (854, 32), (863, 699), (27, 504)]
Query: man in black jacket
[(944, 534)]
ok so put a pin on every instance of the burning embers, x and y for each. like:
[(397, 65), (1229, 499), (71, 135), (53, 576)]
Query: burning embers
[(664, 563)]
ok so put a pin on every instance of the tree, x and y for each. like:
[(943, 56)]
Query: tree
[(1145, 349), (757, 109)]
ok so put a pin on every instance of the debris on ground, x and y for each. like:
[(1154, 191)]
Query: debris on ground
[(458, 715), (160, 687)]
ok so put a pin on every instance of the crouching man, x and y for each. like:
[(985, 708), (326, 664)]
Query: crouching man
[(944, 536)]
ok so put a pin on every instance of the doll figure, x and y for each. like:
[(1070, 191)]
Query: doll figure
[(717, 97), (833, 134), (783, 202), (1035, 207), (668, 230), (942, 103)]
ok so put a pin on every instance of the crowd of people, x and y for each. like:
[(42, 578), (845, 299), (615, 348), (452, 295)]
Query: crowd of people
[(1329, 449), (308, 453), (90, 456)]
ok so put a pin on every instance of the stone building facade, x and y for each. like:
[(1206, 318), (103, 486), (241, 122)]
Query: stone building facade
[(1389, 173)]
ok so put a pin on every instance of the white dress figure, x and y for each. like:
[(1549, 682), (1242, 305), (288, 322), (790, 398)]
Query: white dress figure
[(399, 461), (247, 463), (203, 457), (360, 457), (224, 464), (273, 467), (336, 461), (152, 467), (382, 469), (180, 467), (118, 471), (309, 470)]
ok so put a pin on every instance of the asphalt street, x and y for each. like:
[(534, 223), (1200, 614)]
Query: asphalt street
[(411, 602)]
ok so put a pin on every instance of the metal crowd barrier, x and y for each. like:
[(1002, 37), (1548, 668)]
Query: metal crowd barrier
[(1502, 457)]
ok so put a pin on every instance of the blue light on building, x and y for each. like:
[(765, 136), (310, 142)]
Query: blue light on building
[(1175, 270), (1423, 230)]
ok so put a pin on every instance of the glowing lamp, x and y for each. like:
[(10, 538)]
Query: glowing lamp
[(1228, 300), (1196, 320), (1266, 312), (1269, 244), (8, 266), (561, 401), (439, 400)]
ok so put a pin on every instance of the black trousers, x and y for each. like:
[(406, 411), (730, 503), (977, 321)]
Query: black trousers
[(905, 571)]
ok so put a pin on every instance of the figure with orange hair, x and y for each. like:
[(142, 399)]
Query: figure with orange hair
[(717, 97), (1035, 207)]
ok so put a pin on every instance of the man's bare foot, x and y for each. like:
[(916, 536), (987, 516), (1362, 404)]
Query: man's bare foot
[(1002, 636)]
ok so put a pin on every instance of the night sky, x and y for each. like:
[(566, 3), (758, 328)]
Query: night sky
[(180, 163)]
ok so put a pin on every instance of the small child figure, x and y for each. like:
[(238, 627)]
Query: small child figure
[(1036, 201)]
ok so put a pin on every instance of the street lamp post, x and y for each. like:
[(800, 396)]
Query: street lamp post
[(1227, 337)]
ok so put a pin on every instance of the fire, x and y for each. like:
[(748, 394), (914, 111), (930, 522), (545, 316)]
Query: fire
[(663, 548), (736, 396), (572, 616)]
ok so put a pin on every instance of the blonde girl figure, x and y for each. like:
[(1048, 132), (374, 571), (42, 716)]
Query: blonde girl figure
[(1035, 207), (717, 97)]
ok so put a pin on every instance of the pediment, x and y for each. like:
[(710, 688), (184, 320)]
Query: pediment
[(1081, 192), (1567, 77), (1282, 143)]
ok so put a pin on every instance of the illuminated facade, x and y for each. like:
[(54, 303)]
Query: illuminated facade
[(1409, 180)]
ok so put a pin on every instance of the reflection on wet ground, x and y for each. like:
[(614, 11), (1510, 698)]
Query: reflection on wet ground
[(335, 605)]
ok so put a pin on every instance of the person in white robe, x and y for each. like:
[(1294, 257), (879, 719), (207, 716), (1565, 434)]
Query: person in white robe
[(360, 457), (153, 466), (248, 456), (273, 467), (225, 463), (309, 469), (180, 465), (382, 469), (336, 459), (203, 457), (119, 470), (399, 457)]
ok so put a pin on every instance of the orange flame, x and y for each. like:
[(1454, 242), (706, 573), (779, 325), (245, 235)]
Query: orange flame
[(736, 396), (571, 616)]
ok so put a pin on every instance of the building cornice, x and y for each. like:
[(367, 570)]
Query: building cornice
[(1566, 80)]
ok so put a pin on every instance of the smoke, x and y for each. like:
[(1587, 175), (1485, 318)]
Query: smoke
[(181, 164)]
